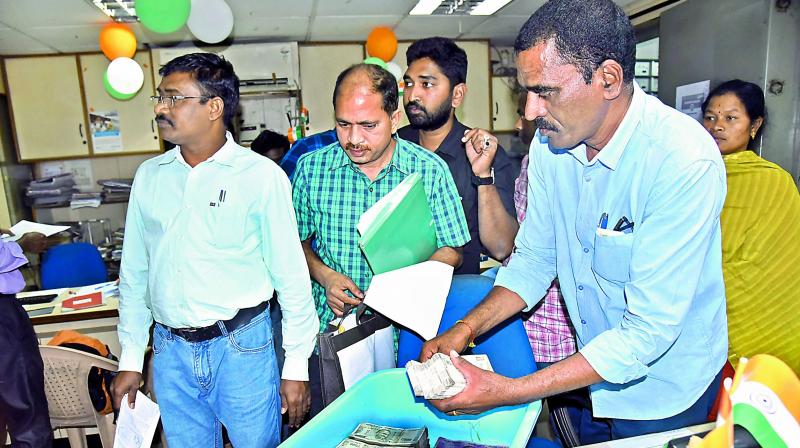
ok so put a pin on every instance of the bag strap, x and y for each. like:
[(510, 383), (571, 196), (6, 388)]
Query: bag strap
[(359, 310)]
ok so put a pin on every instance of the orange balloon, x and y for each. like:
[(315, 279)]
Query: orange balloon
[(117, 40), (382, 43)]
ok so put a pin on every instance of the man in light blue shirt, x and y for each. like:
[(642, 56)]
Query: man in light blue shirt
[(624, 202), (210, 235)]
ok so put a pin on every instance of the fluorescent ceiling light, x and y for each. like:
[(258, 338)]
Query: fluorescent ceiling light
[(425, 7), (119, 10), (488, 7)]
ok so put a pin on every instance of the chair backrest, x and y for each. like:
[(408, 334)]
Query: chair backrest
[(71, 265), (506, 344), (66, 373)]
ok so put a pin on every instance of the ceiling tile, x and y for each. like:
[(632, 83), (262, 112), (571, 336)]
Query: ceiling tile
[(364, 7), (14, 42), (68, 39), (414, 27), (502, 30), (287, 28), (347, 28), (520, 8), (22, 14), (242, 9)]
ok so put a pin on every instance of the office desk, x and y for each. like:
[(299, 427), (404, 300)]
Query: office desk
[(99, 322)]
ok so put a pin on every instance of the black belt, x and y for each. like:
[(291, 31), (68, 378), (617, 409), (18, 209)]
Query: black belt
[(242, 318)]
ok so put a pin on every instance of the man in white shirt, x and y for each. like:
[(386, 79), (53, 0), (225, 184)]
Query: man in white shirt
[(210, 235)]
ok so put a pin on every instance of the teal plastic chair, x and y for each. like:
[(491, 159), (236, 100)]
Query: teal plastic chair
[(386, 398), (72, 265)]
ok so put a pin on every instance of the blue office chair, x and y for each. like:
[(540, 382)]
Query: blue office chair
[(506, 345), (72, 265)]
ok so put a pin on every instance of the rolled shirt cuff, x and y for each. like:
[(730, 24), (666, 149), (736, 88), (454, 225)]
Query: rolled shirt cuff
[(295, 368)]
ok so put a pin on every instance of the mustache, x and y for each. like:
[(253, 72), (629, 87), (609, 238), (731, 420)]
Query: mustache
[(161, 117), (541, 123), (417, 105), (359, 147)]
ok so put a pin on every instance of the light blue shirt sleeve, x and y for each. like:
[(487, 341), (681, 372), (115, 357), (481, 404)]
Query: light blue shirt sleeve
[(284, 258), (533, 267), (666, 264), (135, 317)]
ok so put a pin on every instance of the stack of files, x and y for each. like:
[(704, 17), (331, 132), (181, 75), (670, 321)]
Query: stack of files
[(398, 230), (50, 191), (116, 190), (79, 200)]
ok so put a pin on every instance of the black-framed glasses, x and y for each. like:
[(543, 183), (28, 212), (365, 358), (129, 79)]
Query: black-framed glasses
[(169, 101)]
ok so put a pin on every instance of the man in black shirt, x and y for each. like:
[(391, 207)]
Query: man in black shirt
[(435, 86)]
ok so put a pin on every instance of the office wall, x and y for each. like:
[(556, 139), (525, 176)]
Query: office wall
[(753, 40), (320, 64)]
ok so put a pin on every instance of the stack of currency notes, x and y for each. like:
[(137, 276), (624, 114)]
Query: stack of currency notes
[(437, 378), (369, 435)]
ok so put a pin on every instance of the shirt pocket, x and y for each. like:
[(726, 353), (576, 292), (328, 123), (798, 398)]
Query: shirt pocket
[(612, 257)]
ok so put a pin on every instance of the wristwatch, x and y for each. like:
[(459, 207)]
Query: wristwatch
[(478, 181)]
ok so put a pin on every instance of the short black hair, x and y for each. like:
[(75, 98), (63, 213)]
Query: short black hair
[(382, 82), (748, 93), (586, 33), (213, 74), (450, 58), (269, 139)]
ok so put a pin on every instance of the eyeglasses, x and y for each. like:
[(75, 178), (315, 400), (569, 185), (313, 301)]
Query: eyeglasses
[(169, 101)]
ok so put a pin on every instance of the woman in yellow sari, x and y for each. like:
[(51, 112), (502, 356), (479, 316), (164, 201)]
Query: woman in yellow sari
[(760, 231)]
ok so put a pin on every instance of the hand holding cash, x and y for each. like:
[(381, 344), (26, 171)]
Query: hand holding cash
[(437, 378)]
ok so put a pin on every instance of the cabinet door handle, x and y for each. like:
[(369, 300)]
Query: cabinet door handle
[(496, 108), (152, 126), (80, 131)]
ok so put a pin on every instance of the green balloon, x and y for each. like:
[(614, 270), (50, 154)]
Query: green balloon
[(163, 16), (115, 94), (376, 61)]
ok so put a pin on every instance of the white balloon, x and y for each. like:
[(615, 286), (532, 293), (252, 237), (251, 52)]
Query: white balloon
[(395, 69), (125, 75), (210, 21)]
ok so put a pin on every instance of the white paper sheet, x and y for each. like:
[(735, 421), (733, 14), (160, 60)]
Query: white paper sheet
[(23, 227), (136, 427), (414, 296)]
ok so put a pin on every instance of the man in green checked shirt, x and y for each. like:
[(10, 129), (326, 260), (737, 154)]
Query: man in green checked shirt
[(333, 186)]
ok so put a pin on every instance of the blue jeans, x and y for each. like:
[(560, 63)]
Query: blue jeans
[(595, 430), (230, 380)]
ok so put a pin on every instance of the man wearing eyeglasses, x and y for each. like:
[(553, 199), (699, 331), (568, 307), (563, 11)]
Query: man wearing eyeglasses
[(210, 235)]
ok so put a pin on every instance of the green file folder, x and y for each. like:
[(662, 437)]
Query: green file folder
[(398, 230)]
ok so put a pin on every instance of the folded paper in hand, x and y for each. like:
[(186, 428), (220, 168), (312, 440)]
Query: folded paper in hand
[(23, 227), (413, 296), (136, 427)]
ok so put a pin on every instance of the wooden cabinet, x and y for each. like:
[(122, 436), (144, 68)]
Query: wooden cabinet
[(48, 112), (51, 98), (504, 107), (136, 117)]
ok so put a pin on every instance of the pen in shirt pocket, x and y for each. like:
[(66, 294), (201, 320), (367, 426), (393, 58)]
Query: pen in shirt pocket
[(624, 224), (603, 221)]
